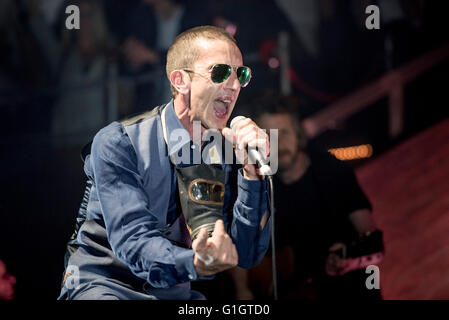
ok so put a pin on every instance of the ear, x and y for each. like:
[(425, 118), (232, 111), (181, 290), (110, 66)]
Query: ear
[(180, 80)]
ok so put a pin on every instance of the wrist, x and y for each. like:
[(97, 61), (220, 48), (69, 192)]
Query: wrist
[(201, 268), (247, 174)]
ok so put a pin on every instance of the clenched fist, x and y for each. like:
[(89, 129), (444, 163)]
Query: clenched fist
[(214, 254)]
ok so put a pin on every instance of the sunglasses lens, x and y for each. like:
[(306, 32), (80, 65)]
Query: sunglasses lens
[(244, 75), (220, 72)]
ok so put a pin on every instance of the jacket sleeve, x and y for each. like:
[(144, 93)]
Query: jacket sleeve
[(130, 224), (250, 209)]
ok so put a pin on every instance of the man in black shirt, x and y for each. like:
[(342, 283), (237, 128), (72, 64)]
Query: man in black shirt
[(325, 233)]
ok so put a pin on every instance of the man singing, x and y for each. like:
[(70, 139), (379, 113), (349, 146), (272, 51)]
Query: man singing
[(143, 207)]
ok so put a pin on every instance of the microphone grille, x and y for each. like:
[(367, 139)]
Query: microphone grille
[(236, 120)]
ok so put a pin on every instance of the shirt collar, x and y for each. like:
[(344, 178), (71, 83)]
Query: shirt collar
[(177, 135), (179, 139)]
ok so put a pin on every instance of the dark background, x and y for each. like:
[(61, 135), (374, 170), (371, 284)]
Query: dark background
[(42, 178)]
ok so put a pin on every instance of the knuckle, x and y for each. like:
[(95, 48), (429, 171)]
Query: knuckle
[(247, 121)]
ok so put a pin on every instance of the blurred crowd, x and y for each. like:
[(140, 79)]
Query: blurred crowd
[(70, 83)]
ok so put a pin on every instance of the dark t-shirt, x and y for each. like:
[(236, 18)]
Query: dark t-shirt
[(312, 214)]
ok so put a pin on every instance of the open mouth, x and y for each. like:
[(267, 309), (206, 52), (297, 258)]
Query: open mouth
[(221, 107)]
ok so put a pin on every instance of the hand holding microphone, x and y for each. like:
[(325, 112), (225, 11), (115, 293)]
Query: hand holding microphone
[(252, 146)]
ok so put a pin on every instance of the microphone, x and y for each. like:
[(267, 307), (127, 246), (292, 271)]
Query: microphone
[(254, 155)]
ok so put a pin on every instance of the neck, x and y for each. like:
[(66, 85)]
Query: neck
[(182, 110), (297, 169)]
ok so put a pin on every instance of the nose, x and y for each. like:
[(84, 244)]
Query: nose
[(281, 143), (232, 82)]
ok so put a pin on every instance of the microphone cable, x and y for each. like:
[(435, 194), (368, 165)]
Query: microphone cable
[(273, 244)]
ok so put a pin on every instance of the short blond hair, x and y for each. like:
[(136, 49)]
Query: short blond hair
[(184, 51)]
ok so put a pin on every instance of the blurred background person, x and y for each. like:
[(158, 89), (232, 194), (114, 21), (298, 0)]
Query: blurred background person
[(21, 73), (80, 65), (324, 223)]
